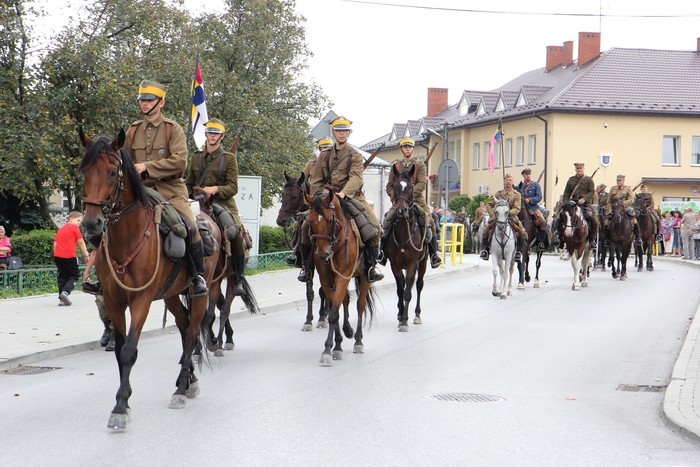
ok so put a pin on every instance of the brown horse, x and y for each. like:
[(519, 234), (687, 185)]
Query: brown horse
[(293, 202), (132, 266), (406, 248), (337, 255), (621, 235), (573, 228), (642, 206)]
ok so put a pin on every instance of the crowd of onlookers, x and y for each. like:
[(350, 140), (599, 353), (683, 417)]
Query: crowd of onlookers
[(681, 234)]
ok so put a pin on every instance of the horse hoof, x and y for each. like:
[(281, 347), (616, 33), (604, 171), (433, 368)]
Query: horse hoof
[(192, 391), (521, 286), (403, 327), (584, 284), (326, 360), (503, 297), (495, 294), (358, 348), (211, 348), (178, 401), (417, 320), (117, 421), (623, 277), (337, 355), (307, 328), (322, 325), (575, 287), (229, 346), (536, 285), (650, 268), (219, 353)]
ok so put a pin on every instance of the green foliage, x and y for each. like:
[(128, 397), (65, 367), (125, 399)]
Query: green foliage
[(474, 204), (457, 203), (35, 247), (272, 239)]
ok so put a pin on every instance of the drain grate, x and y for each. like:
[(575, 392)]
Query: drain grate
[(465, 397), (30, 370), (640, 388)]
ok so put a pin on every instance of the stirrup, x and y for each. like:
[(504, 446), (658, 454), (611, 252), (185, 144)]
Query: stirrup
[(541, 247), (291, 260), (303, 275), (484, 255), (374, 275), (518, 256), (435, 261), (659, 237), (606, 242), (593, 245), (381, 258), (199, 286)]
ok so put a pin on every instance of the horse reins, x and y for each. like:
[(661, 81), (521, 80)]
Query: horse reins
[(333, 239)]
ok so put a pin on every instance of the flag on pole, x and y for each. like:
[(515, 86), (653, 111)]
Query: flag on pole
[(199, 109), (491, 163)]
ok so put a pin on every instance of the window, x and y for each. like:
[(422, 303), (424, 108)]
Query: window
[(509, 153), (695, 153), (455, 152), (671, 150), (531, 149), (485, 155), (476, 156), (519, 150), (497, 153)]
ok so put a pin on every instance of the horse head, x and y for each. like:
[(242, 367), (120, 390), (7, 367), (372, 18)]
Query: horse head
[(501, 210), (325, 210), (111, 183), (571, 219), (403, 191), (292, 199), (642, 204), (618, 209)]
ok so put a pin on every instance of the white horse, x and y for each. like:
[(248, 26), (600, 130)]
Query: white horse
[(502, 251)]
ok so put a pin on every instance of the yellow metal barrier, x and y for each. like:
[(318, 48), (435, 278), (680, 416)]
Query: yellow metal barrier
[(454, 243)]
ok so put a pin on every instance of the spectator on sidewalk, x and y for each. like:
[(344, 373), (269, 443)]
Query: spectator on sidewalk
[(676, 225), (666, 231), (696, 236), (687, 231), (68, 238), (5, 248)]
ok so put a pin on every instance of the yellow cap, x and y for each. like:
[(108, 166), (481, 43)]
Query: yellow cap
[(324, 142), (341, 123), (151, 90), (214, 125), (407, 142)]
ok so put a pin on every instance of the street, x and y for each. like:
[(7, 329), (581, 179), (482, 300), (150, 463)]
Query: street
[(534, 380)]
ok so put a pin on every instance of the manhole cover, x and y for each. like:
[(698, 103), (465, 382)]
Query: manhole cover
[(30, 370), (640, 388), (465, 397)]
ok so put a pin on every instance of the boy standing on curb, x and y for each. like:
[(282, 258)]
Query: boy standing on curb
[(68, 238)]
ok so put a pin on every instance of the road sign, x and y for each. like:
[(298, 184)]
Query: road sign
[(448, 173)]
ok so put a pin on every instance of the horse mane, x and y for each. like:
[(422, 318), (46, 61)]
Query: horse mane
[(103, 145)]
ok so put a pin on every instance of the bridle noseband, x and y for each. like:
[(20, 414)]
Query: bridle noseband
[(113, 207)]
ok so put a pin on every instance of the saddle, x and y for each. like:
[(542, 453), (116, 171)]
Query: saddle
[(357, 213)]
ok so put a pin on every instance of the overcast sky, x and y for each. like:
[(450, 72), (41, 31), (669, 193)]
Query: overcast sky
[(376, 61)]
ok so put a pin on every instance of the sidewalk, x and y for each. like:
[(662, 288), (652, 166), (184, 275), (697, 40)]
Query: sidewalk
[(36, 328)]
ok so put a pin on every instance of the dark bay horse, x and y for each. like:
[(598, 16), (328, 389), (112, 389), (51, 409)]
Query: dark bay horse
[(293, 203), (132, 266), (337, 256), (642, 206), (573, 228), (621, 235), (532, 242), (406, 247)]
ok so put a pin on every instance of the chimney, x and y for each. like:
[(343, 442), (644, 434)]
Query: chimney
[(588, 47), (568, 55), (555, 54), (437, 100)]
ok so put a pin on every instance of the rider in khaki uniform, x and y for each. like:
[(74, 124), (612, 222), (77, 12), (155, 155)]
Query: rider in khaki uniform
[(626, 195), (214, 171), (420, 180), (649, 201), (581, 190), (342, 167), (158, 147), (513, 198)]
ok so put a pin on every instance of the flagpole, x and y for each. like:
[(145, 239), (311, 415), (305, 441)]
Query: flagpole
[(503, 159)]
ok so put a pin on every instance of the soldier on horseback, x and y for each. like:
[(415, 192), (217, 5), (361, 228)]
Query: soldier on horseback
[(649, 201), (513, 198), (419, 182), (626, 196), (580, 189), (531, 192), (342, 167), (214, 172)]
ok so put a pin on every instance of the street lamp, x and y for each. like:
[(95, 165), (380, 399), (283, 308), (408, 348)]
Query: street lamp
[(445, 139)]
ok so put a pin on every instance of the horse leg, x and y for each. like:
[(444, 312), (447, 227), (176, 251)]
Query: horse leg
[(362, 288), (419, 288), (586, 266), (189, 325), (347, 327), (408, 295), (538, 263), (308, 324), (228, 329), (495, 268), (575, 265), (326, 357), (510, 277), (322, 310), (522, 266), (402, 315), (623, 266), (650, 261)]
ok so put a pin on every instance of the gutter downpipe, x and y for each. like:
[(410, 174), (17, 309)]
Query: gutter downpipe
[(546, 145)]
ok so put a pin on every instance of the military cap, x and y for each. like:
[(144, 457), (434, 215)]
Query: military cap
[(323, 142), (214, 125), (620, 177), (341, 123), (149, 90), (578, 165), (526, 170), (407, 142), (507, 176), (602, 186)]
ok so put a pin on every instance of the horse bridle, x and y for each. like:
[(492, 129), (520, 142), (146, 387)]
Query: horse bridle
[(294, 213), (110, 205), (333, 238)]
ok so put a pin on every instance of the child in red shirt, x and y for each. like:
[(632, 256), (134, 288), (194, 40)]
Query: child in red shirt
[(68, 238)]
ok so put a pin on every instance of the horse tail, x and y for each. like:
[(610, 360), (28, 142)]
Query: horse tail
[(371, 299), (251, 303)]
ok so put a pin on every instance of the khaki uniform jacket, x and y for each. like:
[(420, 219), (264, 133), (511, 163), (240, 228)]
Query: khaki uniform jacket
[(625, 194), (586, 189), (309, 167), (420, 181), (165, 163), (513, 198), (332, 168), (228, 188)]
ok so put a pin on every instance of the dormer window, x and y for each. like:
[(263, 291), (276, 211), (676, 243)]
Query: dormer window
[(500, 105), (464, 107), (481, 110)]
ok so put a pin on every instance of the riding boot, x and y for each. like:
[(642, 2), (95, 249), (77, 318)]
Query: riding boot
[(435, 260), (305, 272), (239, 265), (111, 344), (199, 285), (637, 235), (484, 253), (381, 259), (373, 274), (93, 288), (520, 245), (104, 340)]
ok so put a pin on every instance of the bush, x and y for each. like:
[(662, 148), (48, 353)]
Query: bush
[(272, 239), (35, 247)]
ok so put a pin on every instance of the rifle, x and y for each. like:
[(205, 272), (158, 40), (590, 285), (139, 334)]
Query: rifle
[(373, 155), (236, 139), (430, 154), (637, 186), (595, 171), (540, 177)]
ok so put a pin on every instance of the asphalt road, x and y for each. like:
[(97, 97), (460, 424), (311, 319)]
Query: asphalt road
[(535, 381)]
